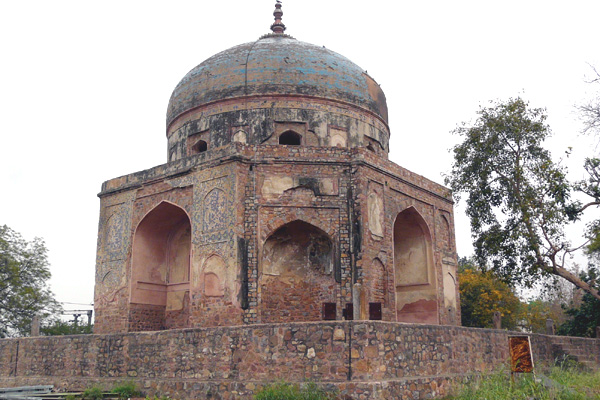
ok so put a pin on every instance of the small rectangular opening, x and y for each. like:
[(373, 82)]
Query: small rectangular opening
[(348, 312), (329, 311), (375, 311)]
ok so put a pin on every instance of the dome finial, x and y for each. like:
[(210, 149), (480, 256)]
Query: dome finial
[(278, 26)]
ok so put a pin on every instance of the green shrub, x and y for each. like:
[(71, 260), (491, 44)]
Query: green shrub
[(93, 393), (126, 390), (288, 391)]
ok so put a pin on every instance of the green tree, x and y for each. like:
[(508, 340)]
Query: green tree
[(57, 328), (24, 292), (481, 294), (586, 317), (517, 197)]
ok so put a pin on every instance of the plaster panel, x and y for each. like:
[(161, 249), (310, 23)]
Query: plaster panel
[(218, 295), (240, 136), (375, 208), (275, 185), (338, 137), (450, 282)]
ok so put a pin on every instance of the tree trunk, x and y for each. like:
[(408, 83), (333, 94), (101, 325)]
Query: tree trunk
[(563, 273)]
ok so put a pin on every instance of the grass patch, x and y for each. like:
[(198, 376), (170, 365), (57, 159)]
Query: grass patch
[(561, 383), (289, 391)]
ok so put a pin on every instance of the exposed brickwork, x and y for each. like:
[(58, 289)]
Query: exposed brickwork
[(146, 317), (364, 359)]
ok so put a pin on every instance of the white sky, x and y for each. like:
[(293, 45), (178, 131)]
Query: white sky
[(84, 88)]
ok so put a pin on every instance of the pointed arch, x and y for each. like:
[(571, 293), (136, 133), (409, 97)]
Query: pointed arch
[(414, 277), (412, 249), (240, 136), (214, 276), (296, 273), (445, 235), (292, 217), (290, 138), (160, 267)]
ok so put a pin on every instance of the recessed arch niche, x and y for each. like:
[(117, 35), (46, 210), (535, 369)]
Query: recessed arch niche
[(296, 273), (414, 277), (290, 138), (160, 267)]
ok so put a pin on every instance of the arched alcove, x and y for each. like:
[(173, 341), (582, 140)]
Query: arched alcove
[(416, 296), (445, 234), (240, 136), (338, 138), (160, 269), (296, 273), (290, 138), (215, 277), (200, 147)]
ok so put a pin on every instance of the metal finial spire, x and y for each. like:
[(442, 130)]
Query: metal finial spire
[(278, 26)]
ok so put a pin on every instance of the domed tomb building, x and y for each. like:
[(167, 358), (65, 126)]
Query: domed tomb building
[(277, 204)]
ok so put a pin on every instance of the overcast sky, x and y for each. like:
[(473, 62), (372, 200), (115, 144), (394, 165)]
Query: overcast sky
[(84, 88)]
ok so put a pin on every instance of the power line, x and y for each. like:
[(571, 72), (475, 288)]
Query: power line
[(77, 304)]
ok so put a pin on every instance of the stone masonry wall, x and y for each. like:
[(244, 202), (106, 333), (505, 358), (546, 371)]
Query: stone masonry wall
[(363, 359)]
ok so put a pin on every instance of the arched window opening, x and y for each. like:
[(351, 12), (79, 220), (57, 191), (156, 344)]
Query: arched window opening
[(290, 138), (200, 147), (416, 297), (296, 279), (160, 265)]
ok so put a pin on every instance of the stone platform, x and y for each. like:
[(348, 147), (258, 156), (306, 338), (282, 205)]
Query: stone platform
[(363, 359)]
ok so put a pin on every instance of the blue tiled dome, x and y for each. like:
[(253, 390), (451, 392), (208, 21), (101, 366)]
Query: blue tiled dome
[(277, 64)]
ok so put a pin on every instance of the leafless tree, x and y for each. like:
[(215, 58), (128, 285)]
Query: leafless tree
[(590, 110)]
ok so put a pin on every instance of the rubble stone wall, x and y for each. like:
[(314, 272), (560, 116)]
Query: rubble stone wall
[(363, 359)]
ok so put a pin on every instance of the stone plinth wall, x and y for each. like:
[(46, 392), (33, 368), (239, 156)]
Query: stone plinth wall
[(364, 359)]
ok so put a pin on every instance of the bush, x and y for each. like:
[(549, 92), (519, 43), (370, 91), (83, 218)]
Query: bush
[(288, 391), (93, 393), (126, 390)]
